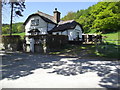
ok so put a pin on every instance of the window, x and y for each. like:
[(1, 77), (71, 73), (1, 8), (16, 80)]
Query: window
[(35, 22), (32, 22)]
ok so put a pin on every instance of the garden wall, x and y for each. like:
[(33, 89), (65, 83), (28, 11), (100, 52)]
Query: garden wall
[(12, 42), (47, 43)]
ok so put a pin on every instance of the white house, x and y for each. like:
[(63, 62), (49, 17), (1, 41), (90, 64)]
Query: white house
[(47, 24)]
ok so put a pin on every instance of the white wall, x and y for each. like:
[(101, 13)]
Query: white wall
[(72, 33), (42, 25), (79, 29)]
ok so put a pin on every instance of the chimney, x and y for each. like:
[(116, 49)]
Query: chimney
[(57, 15)]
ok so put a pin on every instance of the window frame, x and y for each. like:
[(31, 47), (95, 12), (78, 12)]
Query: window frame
[(35, 22)]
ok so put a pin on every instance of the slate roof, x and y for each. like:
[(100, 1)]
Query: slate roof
[(65, 25)]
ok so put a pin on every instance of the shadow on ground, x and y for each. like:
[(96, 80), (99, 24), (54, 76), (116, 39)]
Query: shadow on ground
[(17, 65)]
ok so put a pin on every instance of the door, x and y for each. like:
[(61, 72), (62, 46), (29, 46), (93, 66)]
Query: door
[(32, 42)]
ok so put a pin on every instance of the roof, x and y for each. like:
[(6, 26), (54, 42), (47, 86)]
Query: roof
[(61, 26), (65, 25), (45, 17)]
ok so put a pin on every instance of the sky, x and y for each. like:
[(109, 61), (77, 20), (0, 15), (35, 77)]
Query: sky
[(46, 7)]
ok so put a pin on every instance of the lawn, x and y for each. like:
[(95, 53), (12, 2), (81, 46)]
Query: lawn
[(108, 51), (21, 34), (112, 38)]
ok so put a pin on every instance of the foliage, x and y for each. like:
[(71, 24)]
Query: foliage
[(69, 16), (17, 28), (102, 17), (17, 7), (12, 42)]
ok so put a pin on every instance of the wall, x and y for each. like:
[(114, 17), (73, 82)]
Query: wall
[(72, 33), (47, 43), (12, 43), (42, 25)]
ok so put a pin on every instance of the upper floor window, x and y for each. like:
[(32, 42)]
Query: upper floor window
[(35, 22)]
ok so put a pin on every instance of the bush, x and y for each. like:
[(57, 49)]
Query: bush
[(13, 42)]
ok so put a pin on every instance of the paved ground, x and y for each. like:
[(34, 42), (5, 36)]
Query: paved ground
[(20, 70)]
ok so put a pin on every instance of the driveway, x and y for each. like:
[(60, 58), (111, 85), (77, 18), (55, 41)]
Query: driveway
[(25, 70)]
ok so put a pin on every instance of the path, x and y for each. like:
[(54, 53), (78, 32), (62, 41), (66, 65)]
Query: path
[(22, 70)]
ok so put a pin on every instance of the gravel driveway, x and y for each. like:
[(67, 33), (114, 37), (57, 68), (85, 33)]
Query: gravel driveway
[(25, 70)]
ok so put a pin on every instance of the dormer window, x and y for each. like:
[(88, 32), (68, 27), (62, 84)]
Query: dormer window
[(35, 22)]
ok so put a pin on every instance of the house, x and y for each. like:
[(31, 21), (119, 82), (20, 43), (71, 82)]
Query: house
[(47, 24), (39, 23)]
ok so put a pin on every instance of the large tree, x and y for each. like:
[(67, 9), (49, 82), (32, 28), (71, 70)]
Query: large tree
[(0, 17), (102, 17), (17, 7)]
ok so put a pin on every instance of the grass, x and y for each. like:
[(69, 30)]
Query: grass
[(112, 38), (109, 51), (21, 34)]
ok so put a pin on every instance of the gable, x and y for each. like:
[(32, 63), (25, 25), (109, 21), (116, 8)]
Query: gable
[(41, 22), (44, 18), (78, 27)]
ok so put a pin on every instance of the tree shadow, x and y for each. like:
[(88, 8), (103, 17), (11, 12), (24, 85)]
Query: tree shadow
[(104, 69), (19, 65), (109, 50)]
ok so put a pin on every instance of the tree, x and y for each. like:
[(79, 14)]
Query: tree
[(17, 28), (103, 17), (69, 16), (5, 29), (17, 7), (0, 17)]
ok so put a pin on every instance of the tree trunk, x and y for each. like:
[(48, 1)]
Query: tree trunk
[(11, 18), (0, 17)]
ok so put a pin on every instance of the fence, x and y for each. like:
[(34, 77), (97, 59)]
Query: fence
[(91, 38)]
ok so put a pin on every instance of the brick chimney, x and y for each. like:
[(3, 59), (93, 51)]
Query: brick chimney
[(57, 15)]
